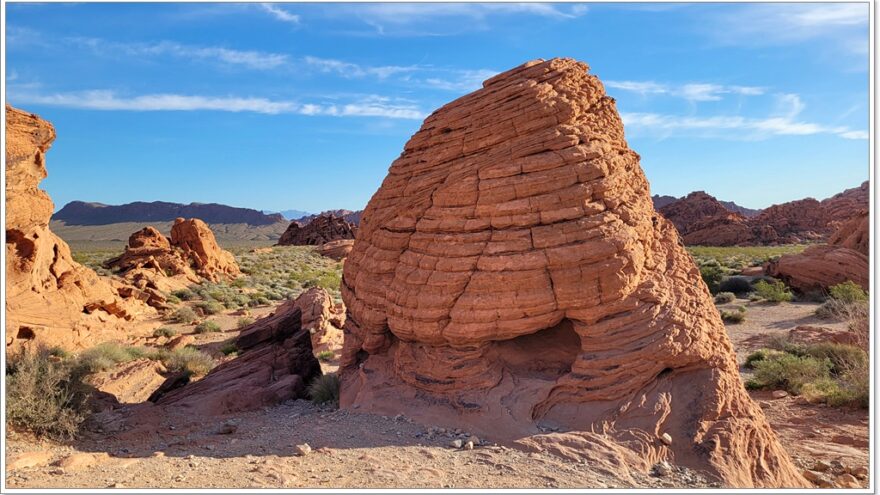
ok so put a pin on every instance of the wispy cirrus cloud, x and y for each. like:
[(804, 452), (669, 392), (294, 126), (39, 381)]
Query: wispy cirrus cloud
[(784, 122), (251, 59), (460, 80), (689, 91), (350, 69), (845, 24), (368, 106), (280, 13)]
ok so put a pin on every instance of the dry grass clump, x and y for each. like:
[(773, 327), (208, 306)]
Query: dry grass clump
[(207, 327), (725, 297), (325, 389), (45, 395)]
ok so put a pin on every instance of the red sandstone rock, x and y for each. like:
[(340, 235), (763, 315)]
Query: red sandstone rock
[(511, 272), (844, 258), (50, 299), (275, 364), (806, 334), (794, 222), (155, 264), (322, 229), (321, 318), (337, 250), (703, 220), (840, 207), (131, 382)]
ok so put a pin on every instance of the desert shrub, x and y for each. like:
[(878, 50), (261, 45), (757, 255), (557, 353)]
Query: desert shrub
[(760, 355), (58, 352), (44, 396), (229, 348), (105, 356), (258, 301), (172, 300), (244, 321), (325, 355), (737, 285), (712, 276), (788, 372), (240, 282), (735, 316), (848, 292), (184, 294), (324, 389), (207, 327), (816, 296), (773, 292), (725, 297), (164, 332), (188, 359), (843, 357), (184, 315), (210, 307)]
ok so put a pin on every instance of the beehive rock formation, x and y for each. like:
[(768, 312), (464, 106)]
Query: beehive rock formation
[(323, 228), (511, 273), (154, 264), (50, 298), (844, 258)]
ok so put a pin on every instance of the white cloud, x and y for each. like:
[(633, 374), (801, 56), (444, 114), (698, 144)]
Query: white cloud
[(280, 14), (783, 122), (460, 80), (690, 91), (348, 69), (845, 24), (370, 106), (246, 58)]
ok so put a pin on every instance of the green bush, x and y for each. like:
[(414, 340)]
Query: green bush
[(843, 357), (245, 321), (207, 327), (189, 360), (848, 292), (210, 307), (773, 292), (229, 348), (104, 356), (184, 294), (164, 332), (737, 285), (725, 297), (712, 276), (325, 356), (789, 372), (44, 397), (760, 355), (735, 316), (184, 315), (173, 300), (324, 389)]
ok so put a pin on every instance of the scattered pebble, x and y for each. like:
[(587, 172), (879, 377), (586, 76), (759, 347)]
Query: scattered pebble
[(303, 449)]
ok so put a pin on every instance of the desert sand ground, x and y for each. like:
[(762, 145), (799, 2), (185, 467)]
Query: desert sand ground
[(353, 449)]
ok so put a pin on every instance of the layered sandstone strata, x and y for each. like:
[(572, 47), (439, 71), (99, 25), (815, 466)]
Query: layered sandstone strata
[(844, 258), (275, 364), (703, 220), (322, 318), (510, 275), (322, 229), (337, 250), (50, 299)]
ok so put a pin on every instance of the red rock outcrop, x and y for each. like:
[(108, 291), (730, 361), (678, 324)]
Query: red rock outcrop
[(510, 275), (337, 250), (844, 258), (275, 364), (322, 229), (840, 207), (50, 298), (154, 264), (793, 222), (703, 220), (321, 318)]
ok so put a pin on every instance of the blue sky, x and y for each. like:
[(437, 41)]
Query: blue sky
[(281, 106)]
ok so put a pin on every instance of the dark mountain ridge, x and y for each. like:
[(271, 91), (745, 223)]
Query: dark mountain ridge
[(83, 213)]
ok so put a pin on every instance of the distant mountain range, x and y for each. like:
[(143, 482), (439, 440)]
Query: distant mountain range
[(661, 201), (294, 214), (83, 213)]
